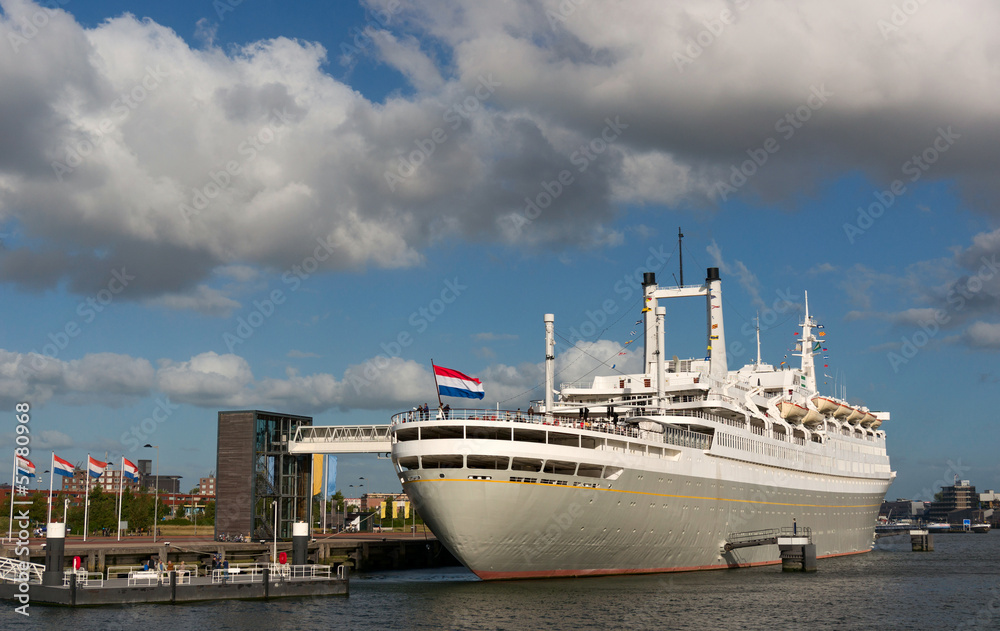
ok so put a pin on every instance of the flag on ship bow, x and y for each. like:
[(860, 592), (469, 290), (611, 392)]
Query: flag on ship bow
[(452, 383)]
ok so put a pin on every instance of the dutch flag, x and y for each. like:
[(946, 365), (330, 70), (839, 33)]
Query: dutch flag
[(452, 383), (130, 470), (24, 466), (96, 467), (62, 467)]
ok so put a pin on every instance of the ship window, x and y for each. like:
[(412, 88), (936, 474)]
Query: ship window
[(589, 470), (529, 435), (526, 464), (446, 461), (487, 433), (431, 433), (409, 433), (488, 462), (616, 445), (588, 442), (560, 467), (406, 464), (567, 440)]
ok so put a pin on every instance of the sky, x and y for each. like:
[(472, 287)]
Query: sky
[(296, 207)]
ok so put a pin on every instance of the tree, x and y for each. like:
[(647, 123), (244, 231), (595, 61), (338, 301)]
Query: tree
[(137, 509), (338, 498), (102, 510), (209, 516)]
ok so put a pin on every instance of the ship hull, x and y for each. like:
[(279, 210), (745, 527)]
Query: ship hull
[(659, 515)]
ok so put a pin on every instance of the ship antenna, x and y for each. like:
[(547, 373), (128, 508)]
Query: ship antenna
[(757, 320), (680, 254)]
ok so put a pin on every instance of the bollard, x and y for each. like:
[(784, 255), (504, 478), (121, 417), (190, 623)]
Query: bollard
[(300, 542), (55, 546)]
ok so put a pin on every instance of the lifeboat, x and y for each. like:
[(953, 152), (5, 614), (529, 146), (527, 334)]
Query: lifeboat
[(791, 412), (876, 423), (812, 417), (855, 416), (843, 411), (825, 405), (868, 419)]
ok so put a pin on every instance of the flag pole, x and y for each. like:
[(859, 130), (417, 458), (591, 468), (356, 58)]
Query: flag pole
[(121, 483), (13, 487), (86, 501), (52, 468), (436, 388)]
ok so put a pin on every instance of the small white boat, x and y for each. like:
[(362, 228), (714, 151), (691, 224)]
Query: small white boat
[(826, 405), (791, 412), (980, 527), (938, 527)]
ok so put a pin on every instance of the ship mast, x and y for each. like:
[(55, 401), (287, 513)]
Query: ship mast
[(807, 351), (680, 255)]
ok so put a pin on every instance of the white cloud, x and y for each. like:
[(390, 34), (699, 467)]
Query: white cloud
[(983, 335), (108, 378), (321, 151), (203, 299)]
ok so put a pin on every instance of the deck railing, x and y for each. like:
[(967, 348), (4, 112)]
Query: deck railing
[(674, 436)]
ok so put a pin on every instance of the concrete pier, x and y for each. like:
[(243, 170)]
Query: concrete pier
[(168, 590), (798, 554), (921, 541)]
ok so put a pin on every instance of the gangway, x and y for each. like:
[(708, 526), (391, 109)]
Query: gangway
[(14, 571), (764, 537), (341, 439)]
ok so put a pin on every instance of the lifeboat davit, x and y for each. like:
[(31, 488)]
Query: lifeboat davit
[(791, 412)]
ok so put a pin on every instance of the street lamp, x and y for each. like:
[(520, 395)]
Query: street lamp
[(274, 548), (156, 488)]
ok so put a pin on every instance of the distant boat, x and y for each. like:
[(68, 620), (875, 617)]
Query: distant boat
[(938, 527), (980, 527)]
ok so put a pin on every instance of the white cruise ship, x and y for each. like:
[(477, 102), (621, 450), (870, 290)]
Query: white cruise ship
[(649, 472)]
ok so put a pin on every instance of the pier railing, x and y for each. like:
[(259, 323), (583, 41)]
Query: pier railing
[(276, 572), (84, 578)]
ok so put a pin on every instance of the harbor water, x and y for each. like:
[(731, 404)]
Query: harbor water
[(957, 586)]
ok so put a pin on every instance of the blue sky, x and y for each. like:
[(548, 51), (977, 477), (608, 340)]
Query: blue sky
[(205, 209)]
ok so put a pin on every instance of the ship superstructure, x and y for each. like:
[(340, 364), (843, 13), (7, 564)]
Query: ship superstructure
[(649, 472)]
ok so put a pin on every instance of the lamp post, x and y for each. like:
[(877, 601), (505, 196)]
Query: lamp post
[(156, 488), (274, 547)]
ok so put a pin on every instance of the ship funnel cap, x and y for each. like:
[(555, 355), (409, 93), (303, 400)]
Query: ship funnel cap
[(648, 278), (713, 274)]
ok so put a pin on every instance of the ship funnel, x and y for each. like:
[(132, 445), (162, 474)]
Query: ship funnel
[(718, 365), (648, 278)]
